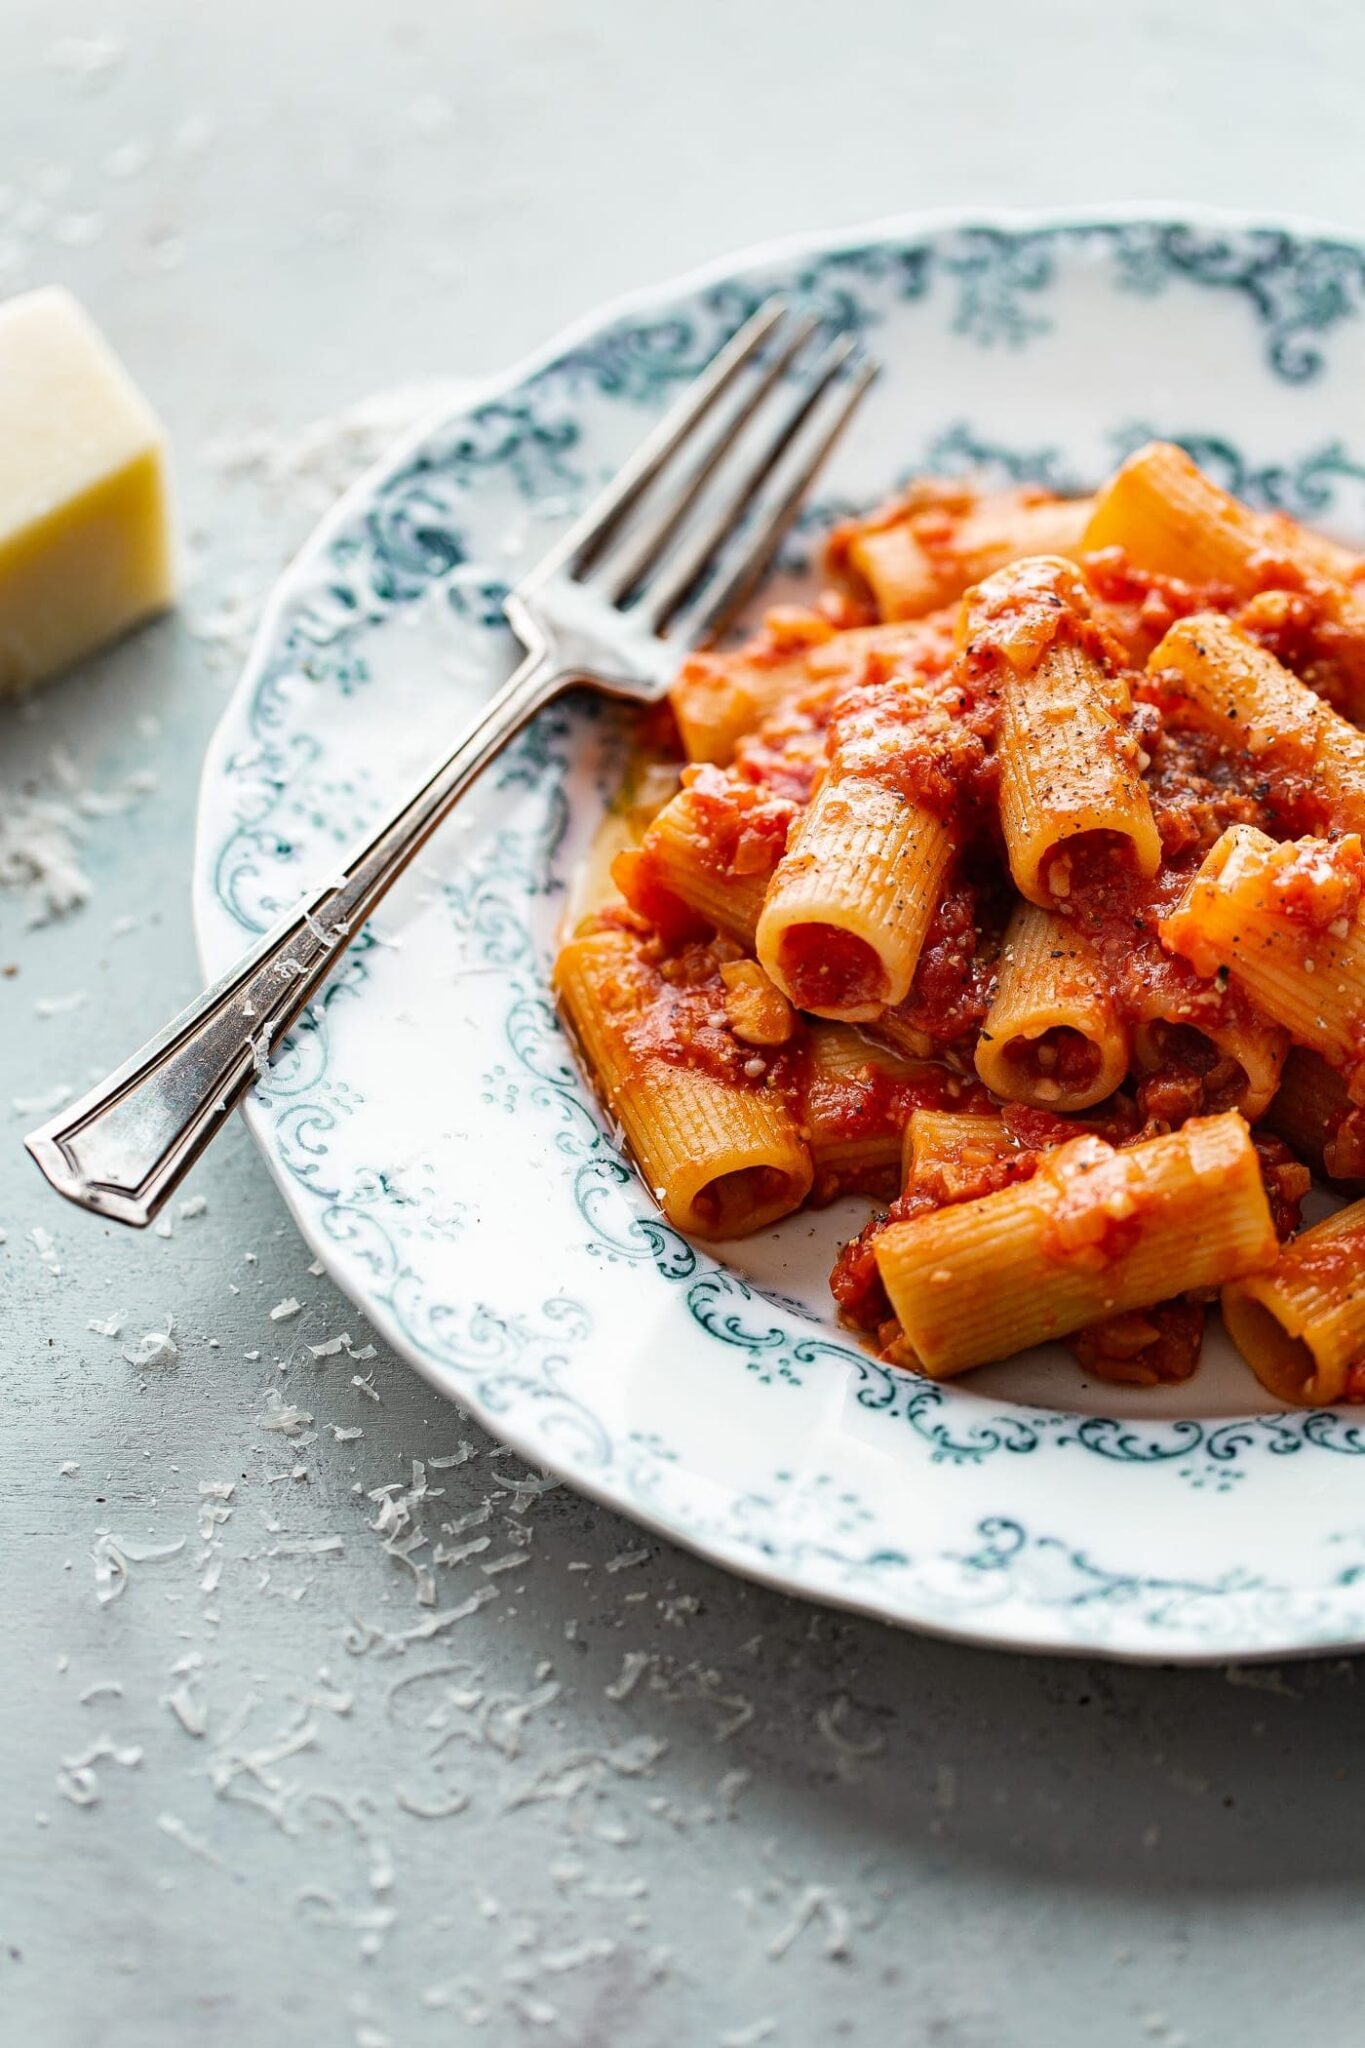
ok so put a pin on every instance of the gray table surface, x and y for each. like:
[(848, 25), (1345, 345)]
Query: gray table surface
[(629, 1800)]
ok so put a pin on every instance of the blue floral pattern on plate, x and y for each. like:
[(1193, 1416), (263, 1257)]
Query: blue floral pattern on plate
[(426, 1119)]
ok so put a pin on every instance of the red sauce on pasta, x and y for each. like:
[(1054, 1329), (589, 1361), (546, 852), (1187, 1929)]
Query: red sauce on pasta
[(912, 706), (1148, 1347), (1294, 619), (897, 730), (1286, 1181), (1318, 884), (1334, 1264), (873, 1103), (673, 1002), (855, 1281), (827, 968), (955, 979)]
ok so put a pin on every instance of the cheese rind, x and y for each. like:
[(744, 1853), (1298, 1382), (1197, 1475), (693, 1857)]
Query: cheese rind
[(85, 529)]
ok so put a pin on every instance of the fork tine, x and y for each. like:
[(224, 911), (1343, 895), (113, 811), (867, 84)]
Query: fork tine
[(639, 552), (665, 596), (721, 603), (590, 533)]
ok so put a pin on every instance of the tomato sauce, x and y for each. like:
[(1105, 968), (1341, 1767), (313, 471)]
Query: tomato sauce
[(873, 1105), (674, 1009), (1319, 884), (954, 982), (1335, 1264), (921, 721), (908, 735), (1148, 1347), (1140, 606), (1286, 1181), (855, 1281), (827, 968), (981, 1169), (1294, 618)]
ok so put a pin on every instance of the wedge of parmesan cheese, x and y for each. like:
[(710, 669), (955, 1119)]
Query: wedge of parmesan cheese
[(85, 532)]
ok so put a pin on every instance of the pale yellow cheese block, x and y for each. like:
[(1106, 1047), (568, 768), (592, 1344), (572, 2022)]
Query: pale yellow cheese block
[(85, 531)]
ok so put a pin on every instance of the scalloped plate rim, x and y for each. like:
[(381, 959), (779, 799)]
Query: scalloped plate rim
[(1024, 1626)]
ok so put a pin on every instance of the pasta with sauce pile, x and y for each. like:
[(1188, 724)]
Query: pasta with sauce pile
[(1017, 885)]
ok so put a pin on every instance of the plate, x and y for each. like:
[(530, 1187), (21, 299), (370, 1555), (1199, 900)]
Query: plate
[(427, 1124)]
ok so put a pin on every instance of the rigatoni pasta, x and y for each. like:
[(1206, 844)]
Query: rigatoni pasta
[(1013, 886), (1095, 1232), (722, 1158), (1053, 1036), (711, 849), (849, 904), (947, 1151), (1283, 922), (1301, 1326), (1068, 773), (1314, 1114), (1236, 1051), (1167, 516), (1065, 778), (925, 549), (1212, 675), (856, 1100)]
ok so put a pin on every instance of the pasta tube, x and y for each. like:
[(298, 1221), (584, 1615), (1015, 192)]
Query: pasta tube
[(722, 1159), (1214, 677), (850, 903), (1212, 1043), (713, 850), (1052, 1036), (1095, 1232), (1166, 515), (1313, 1113), (857, 1101), (1283, 921), (717, 698), (1170, 518), (929, 557), (1068, 775), (1301, 1326), (947, 1151)]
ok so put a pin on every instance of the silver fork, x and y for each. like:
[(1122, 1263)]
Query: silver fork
[(652, 569)]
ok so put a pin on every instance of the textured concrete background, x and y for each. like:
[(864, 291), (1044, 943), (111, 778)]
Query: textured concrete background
[(625, 1800)]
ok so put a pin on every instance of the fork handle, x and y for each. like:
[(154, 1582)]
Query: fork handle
[(124, 1148)]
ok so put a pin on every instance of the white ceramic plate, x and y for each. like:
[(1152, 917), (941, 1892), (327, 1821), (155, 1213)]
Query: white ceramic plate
[(428, 1127)]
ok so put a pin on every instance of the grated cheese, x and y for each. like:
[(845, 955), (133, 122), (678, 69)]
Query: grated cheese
[(112, 1557), (282, 1416), (189, 1708), (815, 1902), (634, 1665), (172, 1825), (46, 1249), (456, 1802), (157, 1347), (626, 1560)]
